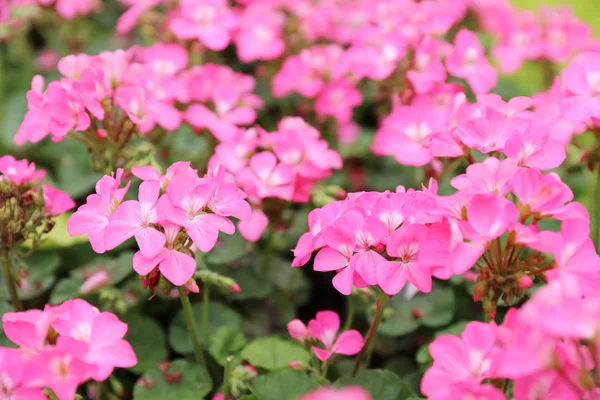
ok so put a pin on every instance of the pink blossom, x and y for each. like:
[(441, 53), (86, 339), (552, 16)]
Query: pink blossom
[(62, 368), (19, 171), (490, 176), (129, 18), (209, 21), (489, 217), (56, 201), (260, 36), (469, 359), (468, 391), (404, 247), (145, 110), (541, 193), (325, 328), (135, 218), (406, 133), (27, 329), (582, 80), (347, 393), (92, 218), (95, 281), (174, 265), (16, 378), (253, 228), (337, 100), (428, 68), (298, 331), (102, 332), (468, 61), (268, 177), (535, 148)]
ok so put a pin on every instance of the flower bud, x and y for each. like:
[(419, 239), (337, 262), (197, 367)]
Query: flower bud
[(525, 282)]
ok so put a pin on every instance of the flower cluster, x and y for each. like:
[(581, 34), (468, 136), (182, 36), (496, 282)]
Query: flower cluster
[(60, 348), (26, 207), (175, 214), (324, 330), (284, 165), (107, 100), (548, 348)]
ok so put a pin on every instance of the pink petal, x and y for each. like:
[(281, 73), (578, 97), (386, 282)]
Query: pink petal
[(328, 259), (150, 241), (348, 343), (177, 267)]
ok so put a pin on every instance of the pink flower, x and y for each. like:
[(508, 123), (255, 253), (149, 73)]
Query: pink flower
[(469, 391), (582, 80), (347, 393), (62, 368), (146, 110), (19, 171), (428, 69), (135, 218), (404, 247), (268, 177), (298, 331), (95, 281), (92, 218), (209, 21), (174, 265), (490, 176), (325, 327), (337, 100), (489, 217), (129, 18), (444, 251), (469, 359), (260, 36), (541, 193), (341, 240), (101, 332), (406, 133), (535, 148), (70, 9), (56, 201), (27, 329), (186, 207), (253, 228), (16, 377), (468, 61)]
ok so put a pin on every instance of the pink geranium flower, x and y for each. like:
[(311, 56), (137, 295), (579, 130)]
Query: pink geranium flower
[(469, 359), (468, 61), (136, 218), (102, 334), (56, 201), (174, 265), (27, 329), (489, 217), (490, 176), (325, 329), (16, 378), (404, 247), (347, 393), (209, 21), (19, 171), (92, 218)]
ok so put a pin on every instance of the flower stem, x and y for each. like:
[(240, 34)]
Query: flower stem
[(10, 283), (191, 325), (205, 303), (350, 312), (367, 348), (227, 377)]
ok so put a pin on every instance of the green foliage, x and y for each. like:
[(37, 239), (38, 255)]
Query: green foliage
[(180, 380), (273, 353), (148, 340), (286, 384), (381, 384)]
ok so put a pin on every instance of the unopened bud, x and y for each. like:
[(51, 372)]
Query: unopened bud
[(417, 313), (296, 365), (481, 288), (525, 282), (380, 248)]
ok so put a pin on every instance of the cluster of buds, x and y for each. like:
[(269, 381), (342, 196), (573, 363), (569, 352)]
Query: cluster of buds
[(26, 207)]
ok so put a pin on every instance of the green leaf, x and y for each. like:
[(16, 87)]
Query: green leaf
[(433, 310), (148, 340), (224, 342), (218, 315), (381, 384), (274, 353), (73, 172), (252, 282), (186, 381), (59, 237), (4, 341), (228, 249), (286, 384), (64, 290)]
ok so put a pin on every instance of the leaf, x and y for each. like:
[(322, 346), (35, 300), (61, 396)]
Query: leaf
[(252, 282), (226, 341), (381, 384), (187, 382), (59, 237), (228, 249), (286, 384), (433, 310), (148, 340), (64, 290), (218, 315), (274, 353), (73, 172), (4, 341)]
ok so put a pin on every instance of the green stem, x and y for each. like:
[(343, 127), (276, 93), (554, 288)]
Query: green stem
[(367, 348), (205, 303), (191, 325), (350, 311), (227, 377), (10, 283), (99, 389), (268, 255)]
